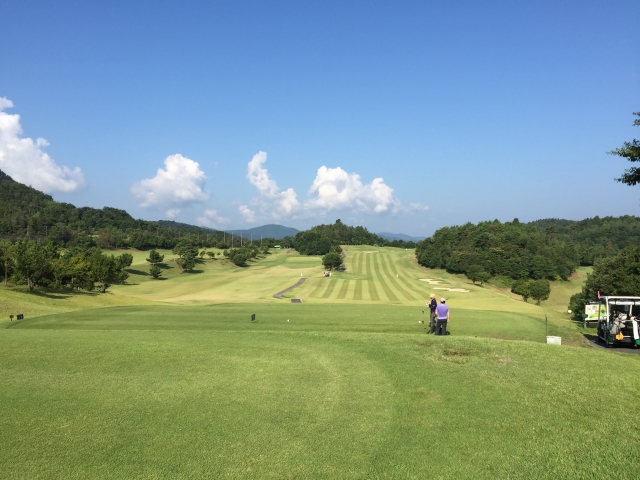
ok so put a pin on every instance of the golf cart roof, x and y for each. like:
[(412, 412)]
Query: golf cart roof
[(618, 300)]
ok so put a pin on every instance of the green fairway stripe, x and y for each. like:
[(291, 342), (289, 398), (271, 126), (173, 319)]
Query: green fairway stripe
[(343, 289), (320, 285), (330, 287), (394, 281), (373, 292), (381, 278), (414, 287), (357, 293), (356, 266)]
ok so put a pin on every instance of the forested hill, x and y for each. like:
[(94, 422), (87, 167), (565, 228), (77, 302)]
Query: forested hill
[(27, 211), (319, 239), (511, 249), (594, 237)]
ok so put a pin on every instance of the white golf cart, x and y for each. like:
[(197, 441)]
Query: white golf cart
[(618, 321)]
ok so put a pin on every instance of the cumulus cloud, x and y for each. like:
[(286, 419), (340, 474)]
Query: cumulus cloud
[(272, 201), (179, 184), (418, 207), (26, 162), (335, 189), (248, 214), (211, 218)]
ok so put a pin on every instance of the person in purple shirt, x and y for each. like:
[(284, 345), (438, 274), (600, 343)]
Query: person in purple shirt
[(443, 317)]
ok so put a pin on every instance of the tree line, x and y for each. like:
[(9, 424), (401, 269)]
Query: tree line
[(512, 249), (38, 263), (28, 213), (611, 276), (595, 237), (320, 239)]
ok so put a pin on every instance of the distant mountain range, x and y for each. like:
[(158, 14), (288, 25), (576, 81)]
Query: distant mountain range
[(399, 236)]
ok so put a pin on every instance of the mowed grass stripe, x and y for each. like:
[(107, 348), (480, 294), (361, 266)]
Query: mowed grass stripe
[(357, 293), (415, 288), (343, 289), (390, 275), (320, 285), (373, 292), (383, 283), (356, 266), (332, 284)]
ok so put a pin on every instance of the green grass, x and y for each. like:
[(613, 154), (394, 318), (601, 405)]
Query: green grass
[(171, 379), (201, 392)]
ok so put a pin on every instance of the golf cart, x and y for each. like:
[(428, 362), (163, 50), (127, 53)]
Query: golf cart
[(618, 319)]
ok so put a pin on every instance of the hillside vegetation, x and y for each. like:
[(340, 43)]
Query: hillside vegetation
[(510, 249), (594, 237)]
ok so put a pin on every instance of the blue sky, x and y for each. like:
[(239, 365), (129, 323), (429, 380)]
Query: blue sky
[(292, 112)]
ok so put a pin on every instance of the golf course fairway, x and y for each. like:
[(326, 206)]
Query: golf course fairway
[(172, 379)]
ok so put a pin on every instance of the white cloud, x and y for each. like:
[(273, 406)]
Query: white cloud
[(248, 214), (25, 161), (335, 189), (418, 207), (272, 201), (180, 184), (172, 212), (211, 218)]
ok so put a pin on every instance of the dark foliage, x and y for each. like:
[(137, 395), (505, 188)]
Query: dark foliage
[(510, 249), (618, 275), (595, 237), (320, 239)]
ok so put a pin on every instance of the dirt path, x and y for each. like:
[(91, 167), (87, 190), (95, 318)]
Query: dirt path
[(298, 283)]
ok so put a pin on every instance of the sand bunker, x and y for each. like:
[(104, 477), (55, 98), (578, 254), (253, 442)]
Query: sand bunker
[(431, 281), (454, 290), (370, 251)]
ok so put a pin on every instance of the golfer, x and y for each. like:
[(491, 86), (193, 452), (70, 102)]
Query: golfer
[(432, 316), (442, 313)]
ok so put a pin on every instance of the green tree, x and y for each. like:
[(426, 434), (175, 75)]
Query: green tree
[(33, 262), (540, 290), (332, 260), (155, 271), (106, 269), (187, 262), (183, 247), (473, 271), (211, 255), (483, 277), (522, 288), (619, 275), (155, 257), (202, 254), (125, 260), (7, 253), (630, 151)]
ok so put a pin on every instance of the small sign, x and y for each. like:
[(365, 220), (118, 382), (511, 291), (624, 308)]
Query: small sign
[(20, 317), (253, 317)]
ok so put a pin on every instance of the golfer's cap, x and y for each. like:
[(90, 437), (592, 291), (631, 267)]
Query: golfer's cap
[(433, 295), (442, 300)]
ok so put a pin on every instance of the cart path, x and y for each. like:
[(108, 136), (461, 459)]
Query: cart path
[(594, 342), (298, 283)]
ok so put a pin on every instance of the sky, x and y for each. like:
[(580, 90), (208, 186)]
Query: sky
[(403, 117)]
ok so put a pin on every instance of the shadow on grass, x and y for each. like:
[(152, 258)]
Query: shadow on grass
[(138, 272)]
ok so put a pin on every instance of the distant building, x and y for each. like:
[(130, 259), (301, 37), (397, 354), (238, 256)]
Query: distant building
[(276, 246)]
